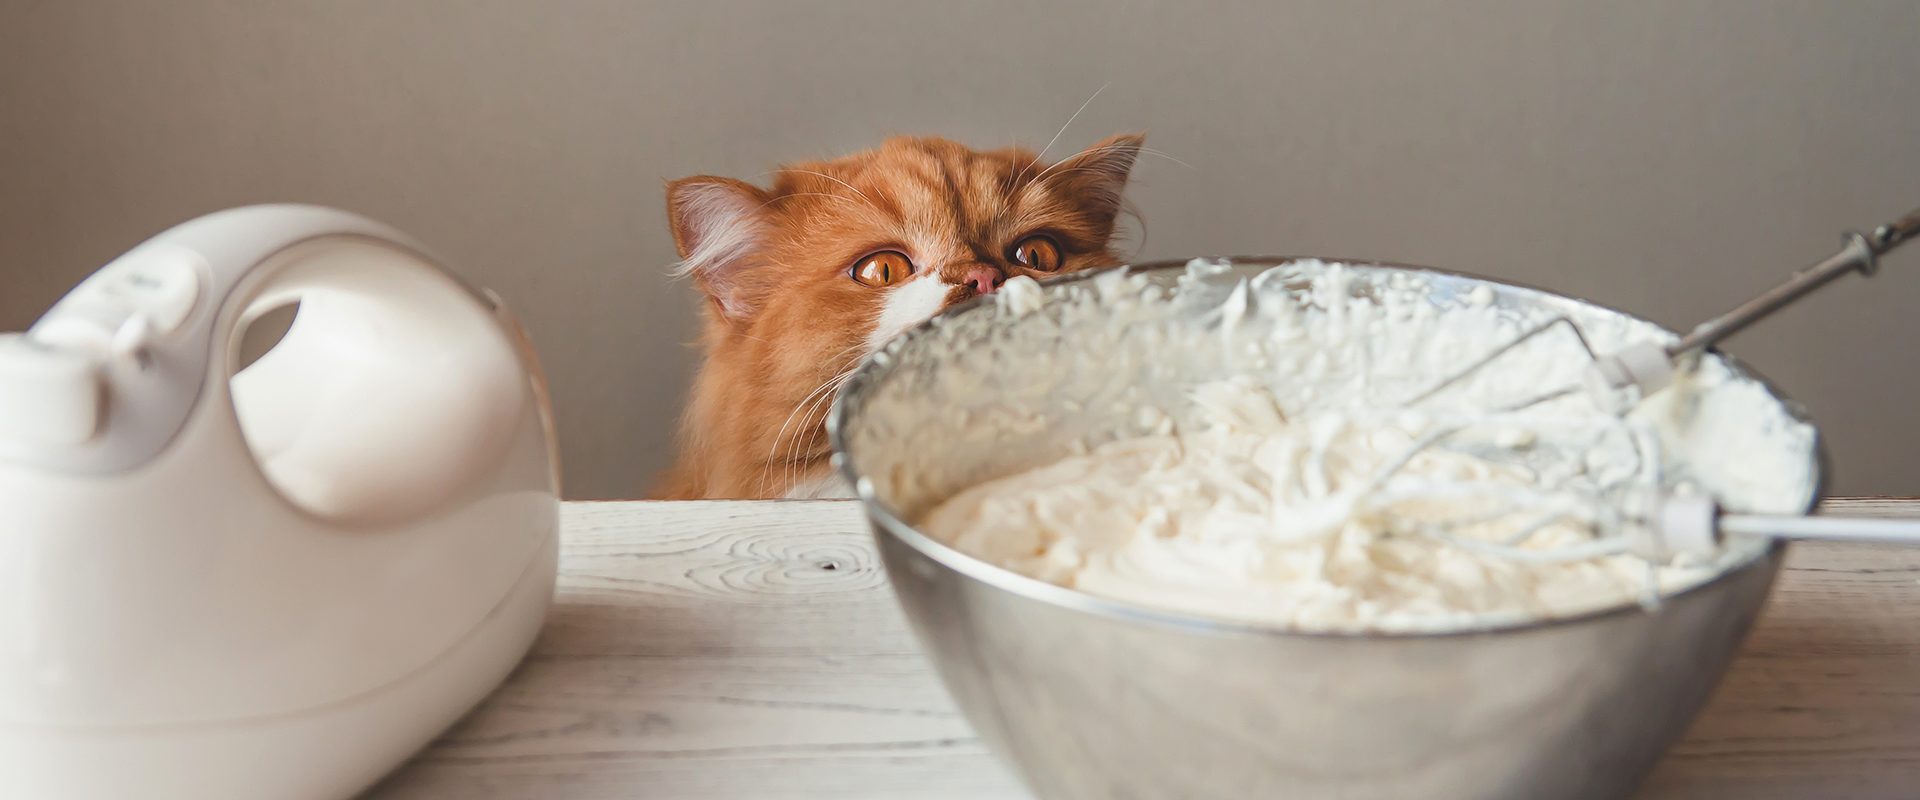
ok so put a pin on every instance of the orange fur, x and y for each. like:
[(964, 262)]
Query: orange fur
[(785, 319)]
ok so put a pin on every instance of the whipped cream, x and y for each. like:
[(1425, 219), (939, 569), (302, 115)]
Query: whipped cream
[(1205, 444), (1256, 518)]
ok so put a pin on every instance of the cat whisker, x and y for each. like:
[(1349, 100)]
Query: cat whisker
[(807, 424), (855, 348), (824, 405), (766, 473), (1165, 155), (812, 399), (800, 437), (1056, 165), (839, 197), (1037, 178), (863, 195), (1063, 129)]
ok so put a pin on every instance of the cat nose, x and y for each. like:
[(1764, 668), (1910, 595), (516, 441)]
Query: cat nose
[(984, 279)]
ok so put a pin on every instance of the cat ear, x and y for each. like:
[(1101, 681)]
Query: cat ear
[(1099, 173), (719, 228)]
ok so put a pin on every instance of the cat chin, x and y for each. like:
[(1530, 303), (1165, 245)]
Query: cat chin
[(826, 487)]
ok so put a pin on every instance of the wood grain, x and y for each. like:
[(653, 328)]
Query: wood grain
[(740, 650), (1824, 701), (714, 650)]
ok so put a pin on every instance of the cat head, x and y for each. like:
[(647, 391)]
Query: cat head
[(805, 278), (839, 256)]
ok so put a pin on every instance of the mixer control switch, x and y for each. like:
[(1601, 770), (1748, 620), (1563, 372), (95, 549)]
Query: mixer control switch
[(163, 286)]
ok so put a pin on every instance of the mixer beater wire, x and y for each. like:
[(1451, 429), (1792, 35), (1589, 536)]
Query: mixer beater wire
[(1502, 350), (1632, 512)]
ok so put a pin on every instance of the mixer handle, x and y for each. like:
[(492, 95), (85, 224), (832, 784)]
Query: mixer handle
[(395, 386)]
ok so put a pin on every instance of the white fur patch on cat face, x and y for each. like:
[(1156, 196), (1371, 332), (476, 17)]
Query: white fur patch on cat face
[(908, 305)]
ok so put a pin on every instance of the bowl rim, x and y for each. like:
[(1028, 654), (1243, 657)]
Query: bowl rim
[(888, 522)]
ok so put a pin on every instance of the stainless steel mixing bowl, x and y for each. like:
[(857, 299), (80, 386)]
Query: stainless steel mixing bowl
[(1086, 698)]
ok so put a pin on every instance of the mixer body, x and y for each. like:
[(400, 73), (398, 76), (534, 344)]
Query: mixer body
[(277, 581)]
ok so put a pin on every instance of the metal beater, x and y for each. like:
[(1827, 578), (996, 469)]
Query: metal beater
[(1632, 512)]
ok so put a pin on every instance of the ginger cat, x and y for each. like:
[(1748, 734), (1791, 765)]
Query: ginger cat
[(806, 278)]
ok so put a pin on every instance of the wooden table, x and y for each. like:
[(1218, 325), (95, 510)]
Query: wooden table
[(752, 650)]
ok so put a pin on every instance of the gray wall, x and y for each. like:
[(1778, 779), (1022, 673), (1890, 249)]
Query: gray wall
[(1665, 157)]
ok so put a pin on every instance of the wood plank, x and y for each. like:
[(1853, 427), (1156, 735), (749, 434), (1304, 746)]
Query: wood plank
[(752, 650), (714, 650), (1824, 700)]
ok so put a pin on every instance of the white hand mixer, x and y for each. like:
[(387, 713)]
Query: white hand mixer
[(272, 582), (1630, 510)]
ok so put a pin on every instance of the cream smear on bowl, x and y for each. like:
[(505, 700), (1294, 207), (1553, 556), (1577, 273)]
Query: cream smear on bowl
[(1253, 408)]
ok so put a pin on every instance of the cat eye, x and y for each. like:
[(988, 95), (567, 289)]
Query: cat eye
[(1037, 253), (882, 269)]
